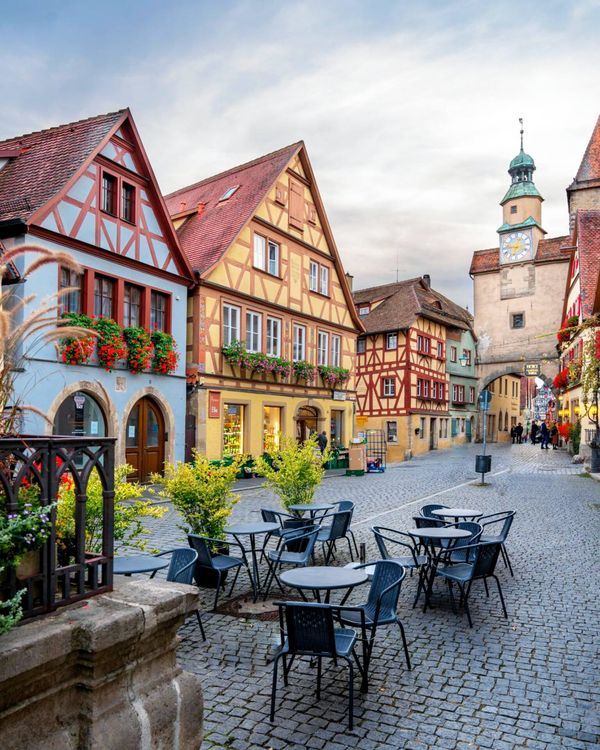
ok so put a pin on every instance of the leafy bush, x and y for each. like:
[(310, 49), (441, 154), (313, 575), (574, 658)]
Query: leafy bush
[(575, 436), (295, 472), (202, 493)]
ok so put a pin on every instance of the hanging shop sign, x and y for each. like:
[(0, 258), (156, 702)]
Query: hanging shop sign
[(214, 404)]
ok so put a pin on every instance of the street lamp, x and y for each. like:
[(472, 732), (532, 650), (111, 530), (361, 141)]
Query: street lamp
[(463, 360)]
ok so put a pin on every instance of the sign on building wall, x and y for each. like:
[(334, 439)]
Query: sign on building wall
[(214, 404), (532, 369)]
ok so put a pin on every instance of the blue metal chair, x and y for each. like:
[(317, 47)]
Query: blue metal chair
[(426, 511), (480, 562), (378, 610), (308, 630), (344, 505), (281, 556), (506, 518), (275, 516), (458, 554), (411, 559), (219, 564), (181, 570), (337, 529)]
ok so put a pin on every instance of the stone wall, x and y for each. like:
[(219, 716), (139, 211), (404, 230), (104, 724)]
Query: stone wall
[(102, 674)]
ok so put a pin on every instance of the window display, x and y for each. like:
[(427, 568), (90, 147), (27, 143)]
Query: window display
[(233, 429), (337, 421), (271, 428)]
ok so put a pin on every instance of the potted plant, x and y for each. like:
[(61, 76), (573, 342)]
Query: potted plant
[(202, 492)]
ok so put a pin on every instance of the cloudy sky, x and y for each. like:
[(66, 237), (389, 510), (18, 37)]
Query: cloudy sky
[(409, 110)]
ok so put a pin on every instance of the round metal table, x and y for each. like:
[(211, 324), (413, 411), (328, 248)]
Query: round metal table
[(323, 578), (311, 508), (251, 530), (369, 570), (126, 566), (467, 514)]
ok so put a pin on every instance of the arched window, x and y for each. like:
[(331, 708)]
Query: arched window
[(80, 415)]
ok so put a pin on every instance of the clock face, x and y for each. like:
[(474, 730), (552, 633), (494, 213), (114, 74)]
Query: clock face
[(516, 245)]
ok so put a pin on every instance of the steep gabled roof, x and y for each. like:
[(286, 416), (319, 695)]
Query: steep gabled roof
[(46, 161), (548, 251), (208, 232), (589, 169), (400, 304)]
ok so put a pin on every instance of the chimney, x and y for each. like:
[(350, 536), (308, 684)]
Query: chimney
[(427, 280), (201, 207), (350, 280), (182, 206)]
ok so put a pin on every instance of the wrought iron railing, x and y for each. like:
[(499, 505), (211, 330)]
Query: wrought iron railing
[(44, 462)]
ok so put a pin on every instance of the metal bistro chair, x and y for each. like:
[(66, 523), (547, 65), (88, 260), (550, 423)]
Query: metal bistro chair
[(281, 556), (378, 610), (458, 554), (181, 570), (412, 561), (308, 630), (426, 512), (481, 559), (506, 518), (274, 516), (337, 529), (219, 564), (348, 505)]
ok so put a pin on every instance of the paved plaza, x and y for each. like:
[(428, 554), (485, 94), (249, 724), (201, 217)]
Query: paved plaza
[(527, 682)]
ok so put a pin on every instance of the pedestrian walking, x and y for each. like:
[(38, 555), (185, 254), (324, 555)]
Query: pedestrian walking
[(513, 435), (534, 431), (545, 433), (554, 436), (519, 431), (322, 441)]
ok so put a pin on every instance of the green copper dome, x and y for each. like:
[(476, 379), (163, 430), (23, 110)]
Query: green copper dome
[(522, 160)]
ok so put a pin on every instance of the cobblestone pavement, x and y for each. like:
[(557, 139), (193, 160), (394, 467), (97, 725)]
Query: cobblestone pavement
[(526, 682)]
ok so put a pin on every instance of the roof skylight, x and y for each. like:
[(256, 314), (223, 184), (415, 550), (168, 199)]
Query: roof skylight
[(228, 193)]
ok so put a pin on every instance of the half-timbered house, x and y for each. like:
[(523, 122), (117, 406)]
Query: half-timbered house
[(402, 384), (87, 188), (272, 327)]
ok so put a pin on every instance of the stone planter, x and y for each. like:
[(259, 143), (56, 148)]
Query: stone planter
[(29, 565)]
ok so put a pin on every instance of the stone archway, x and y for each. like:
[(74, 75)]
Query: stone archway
[(307, 420), (99, 394)]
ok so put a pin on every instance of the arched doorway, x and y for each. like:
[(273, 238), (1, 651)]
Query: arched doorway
[(307, 422), (145, 439), (80, 415)]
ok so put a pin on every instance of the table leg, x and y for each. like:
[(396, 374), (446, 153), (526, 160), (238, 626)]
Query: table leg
[(255, 578)]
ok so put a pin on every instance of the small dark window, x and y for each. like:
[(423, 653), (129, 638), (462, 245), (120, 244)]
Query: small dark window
[(158, 311), (132, 306), (361, 346), (513, 209), (128, 207), (103, 297), (70, 301), (518, 320), (109, 193)]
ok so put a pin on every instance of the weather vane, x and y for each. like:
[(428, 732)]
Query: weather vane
[(521, 121)]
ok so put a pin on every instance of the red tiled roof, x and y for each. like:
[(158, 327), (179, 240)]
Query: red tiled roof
[(548, 250), (589, 169), (404, 301), (47, 160), (588, 244), (206, 236)]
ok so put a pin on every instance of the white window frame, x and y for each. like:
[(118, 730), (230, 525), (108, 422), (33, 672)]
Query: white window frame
[(272, 258), (336, 350), (231, 324), (260, 251), (323, 348), (389, 387), (434, 390), (299, 345), (253, 331), (425, 388), (389, 337), (313, 274), (274, 337), (364, 310), (324, 281)]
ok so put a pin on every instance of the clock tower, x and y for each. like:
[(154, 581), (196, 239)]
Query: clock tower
[(521, 228)]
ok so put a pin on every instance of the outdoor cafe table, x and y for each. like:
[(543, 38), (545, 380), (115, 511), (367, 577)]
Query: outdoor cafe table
[(312, 508), (466, 514), (127, 566), (323, 578), (251, 530), (428, 536)]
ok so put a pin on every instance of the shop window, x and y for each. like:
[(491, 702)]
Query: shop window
[(233, 429), (392, 432), (132, 306), (271, 428), (80, 415), (104, 291), (158, 311), (336, 427), (70, 302)]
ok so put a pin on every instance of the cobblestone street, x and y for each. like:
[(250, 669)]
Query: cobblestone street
[(526, 682)]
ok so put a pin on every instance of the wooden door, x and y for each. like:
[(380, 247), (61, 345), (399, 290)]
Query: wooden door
[(145, 440), (432, 434)]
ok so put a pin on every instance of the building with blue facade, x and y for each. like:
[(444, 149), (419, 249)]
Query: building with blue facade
[(87, 189)]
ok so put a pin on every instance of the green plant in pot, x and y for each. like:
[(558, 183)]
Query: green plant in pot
[(203, 494)]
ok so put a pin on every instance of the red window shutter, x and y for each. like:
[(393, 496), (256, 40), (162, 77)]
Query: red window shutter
[(296, 209)]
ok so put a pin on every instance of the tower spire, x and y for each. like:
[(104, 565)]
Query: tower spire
[(521, 121)]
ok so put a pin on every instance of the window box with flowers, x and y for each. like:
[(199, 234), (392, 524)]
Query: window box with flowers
[(574, 371), (110, 346), (303, 371), (565, 335), (139, 348), (334, 377), (77, 351), (561, 381), (165, 357)]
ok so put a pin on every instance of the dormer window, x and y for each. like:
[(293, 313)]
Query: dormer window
[(228, 193), (364, 310)]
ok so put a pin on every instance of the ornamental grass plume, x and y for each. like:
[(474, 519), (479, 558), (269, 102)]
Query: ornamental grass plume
[(22, 335)]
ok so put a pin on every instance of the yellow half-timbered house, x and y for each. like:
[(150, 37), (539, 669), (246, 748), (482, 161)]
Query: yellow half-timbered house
[(271, 326), (402, 383)]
